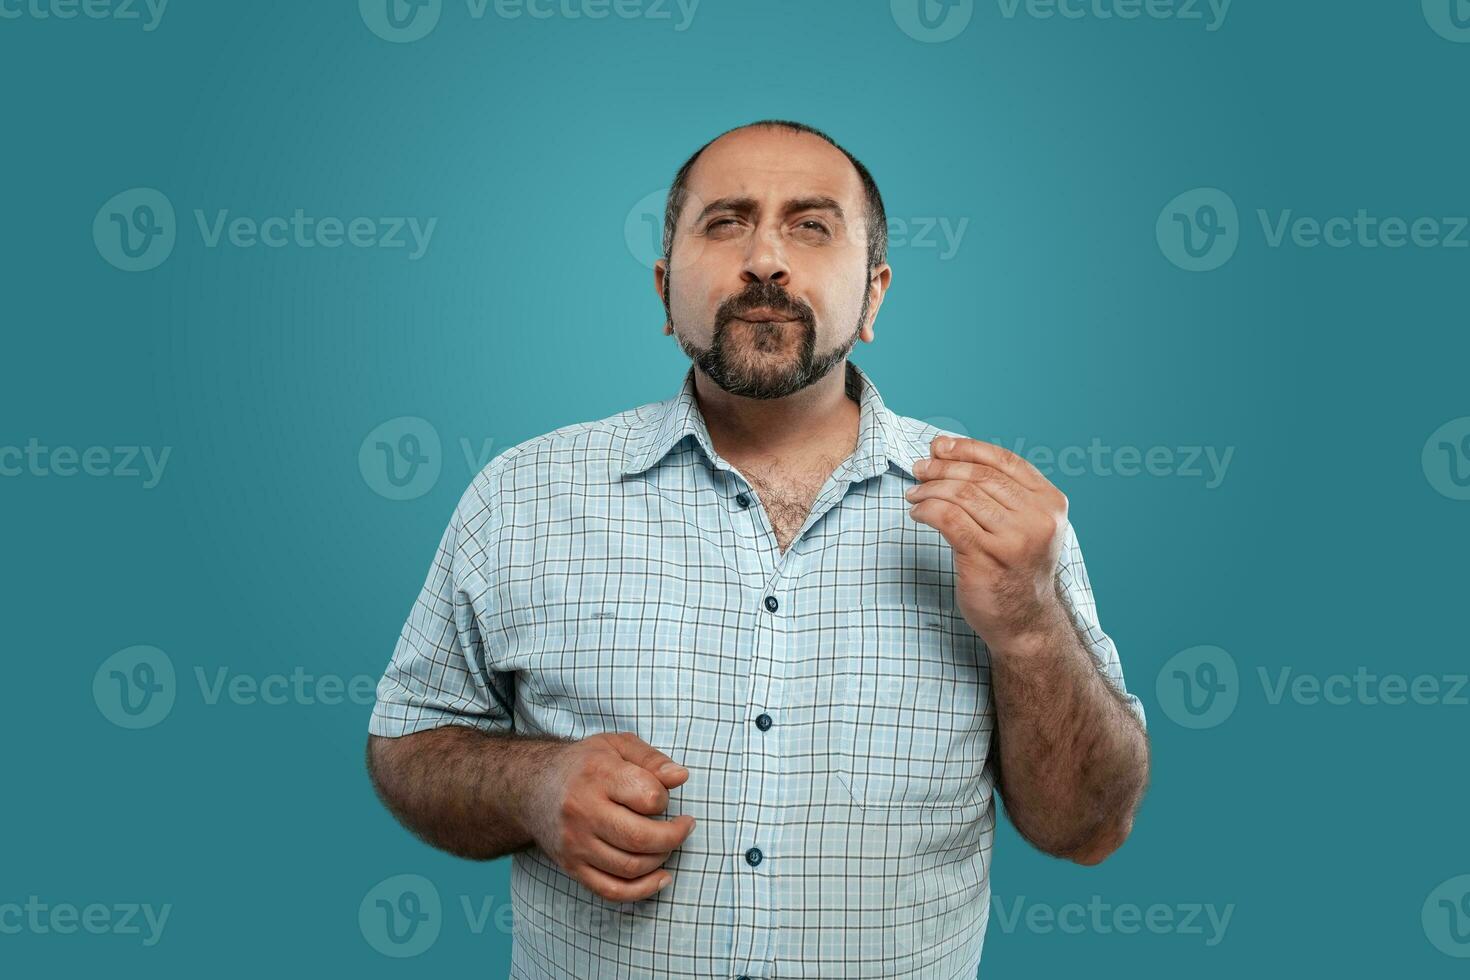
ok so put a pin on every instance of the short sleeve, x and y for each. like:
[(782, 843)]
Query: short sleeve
[(1077, 591), (439, 673)]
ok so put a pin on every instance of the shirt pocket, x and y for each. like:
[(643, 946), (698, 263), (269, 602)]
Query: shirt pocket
[(914, 715), (611, 673)]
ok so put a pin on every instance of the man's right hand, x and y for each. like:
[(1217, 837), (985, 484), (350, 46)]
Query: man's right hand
[(595, 811)]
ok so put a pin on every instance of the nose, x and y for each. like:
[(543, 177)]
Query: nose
[(765, 258)]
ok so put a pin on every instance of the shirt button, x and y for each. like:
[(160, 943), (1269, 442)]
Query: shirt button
[(753, 856), (763, 721), (771, 603), (742, 500)]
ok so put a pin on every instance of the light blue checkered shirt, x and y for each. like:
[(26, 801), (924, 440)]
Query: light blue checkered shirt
[(832, 706)]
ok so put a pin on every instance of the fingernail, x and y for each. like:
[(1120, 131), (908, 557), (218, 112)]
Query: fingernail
[(909, 493), (670, 769), (943, 444), (665, 883)]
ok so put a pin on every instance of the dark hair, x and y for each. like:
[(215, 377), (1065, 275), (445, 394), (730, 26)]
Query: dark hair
[(876, 217)]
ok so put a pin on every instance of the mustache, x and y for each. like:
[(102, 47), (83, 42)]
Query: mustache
[(768, 296)]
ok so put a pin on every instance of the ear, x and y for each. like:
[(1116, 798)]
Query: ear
[(878, 282), (661, 287)]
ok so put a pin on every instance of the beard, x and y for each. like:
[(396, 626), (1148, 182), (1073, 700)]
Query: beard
[(746, 358)]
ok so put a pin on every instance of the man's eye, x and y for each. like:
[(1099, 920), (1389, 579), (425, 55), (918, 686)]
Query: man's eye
[(720, 221), (815, 224)]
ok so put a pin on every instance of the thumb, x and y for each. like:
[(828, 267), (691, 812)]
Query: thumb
[(645, 756)]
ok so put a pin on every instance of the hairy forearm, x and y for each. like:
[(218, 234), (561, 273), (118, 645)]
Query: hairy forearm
[(1073, 758), (460, 789)]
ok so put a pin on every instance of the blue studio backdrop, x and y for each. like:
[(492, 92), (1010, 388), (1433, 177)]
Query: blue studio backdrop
[(280, 277)]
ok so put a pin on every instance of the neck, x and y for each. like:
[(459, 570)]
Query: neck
[(821, 419)]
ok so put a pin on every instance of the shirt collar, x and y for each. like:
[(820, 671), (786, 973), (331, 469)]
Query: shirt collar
[(881, 438)]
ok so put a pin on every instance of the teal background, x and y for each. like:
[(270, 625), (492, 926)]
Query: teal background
[(264, 549)]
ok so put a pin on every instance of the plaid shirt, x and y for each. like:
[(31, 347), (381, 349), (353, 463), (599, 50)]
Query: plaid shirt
[(832, 706)]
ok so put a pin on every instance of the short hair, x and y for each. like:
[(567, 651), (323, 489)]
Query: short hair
[(875, 218)]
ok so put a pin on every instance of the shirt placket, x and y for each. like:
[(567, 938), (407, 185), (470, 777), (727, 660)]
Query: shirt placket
[(758, 830)]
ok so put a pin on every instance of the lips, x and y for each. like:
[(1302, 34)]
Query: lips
[(764, 316)]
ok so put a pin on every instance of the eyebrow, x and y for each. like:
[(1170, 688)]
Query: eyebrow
[(746, 206)]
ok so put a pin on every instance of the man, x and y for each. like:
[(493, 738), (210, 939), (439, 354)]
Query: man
[(733, 676)]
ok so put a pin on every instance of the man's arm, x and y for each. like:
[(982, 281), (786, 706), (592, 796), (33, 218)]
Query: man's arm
[(592, 805), (1074, 760), (459, 789)]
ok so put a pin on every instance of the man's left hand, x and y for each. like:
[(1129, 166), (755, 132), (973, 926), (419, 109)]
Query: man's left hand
[(1006, 524)]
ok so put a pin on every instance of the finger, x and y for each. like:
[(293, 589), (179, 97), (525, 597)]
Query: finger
[(1007, 491), (620, 863), (635, 789), (975, 498), (950, 519), (628, 831), (975, 451), (640, 753), (616, 889)]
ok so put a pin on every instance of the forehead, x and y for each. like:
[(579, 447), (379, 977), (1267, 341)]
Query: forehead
[(772, 165)]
